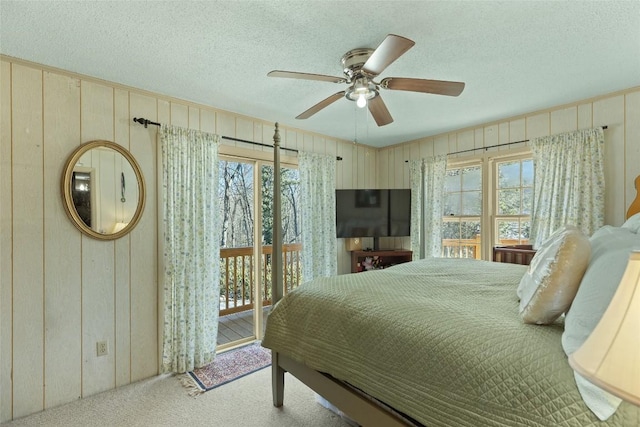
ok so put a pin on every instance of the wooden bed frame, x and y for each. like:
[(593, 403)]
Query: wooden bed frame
[(356, 405), (634, 207)]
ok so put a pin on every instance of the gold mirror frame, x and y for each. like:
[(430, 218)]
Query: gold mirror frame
[(67, 196)]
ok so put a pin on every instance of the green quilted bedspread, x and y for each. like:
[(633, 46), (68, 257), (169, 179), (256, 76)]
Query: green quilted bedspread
[(439, 340)]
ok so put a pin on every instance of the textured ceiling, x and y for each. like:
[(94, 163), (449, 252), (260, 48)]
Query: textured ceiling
[(515, 57)]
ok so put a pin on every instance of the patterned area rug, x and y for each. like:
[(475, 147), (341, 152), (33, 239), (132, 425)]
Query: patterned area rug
[(227, 366)]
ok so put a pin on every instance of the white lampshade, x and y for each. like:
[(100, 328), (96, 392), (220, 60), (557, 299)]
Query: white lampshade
[(610, 357)]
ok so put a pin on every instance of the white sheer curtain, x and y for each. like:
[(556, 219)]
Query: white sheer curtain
[(191, 248), (568, 186), (427, 204), (318, 199)]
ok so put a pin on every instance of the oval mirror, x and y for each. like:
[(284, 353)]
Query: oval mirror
[(103, 190)]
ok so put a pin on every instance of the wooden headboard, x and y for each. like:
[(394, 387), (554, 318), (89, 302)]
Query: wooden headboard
[(634, 207)]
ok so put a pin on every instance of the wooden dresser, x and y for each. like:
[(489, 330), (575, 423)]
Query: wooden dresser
[(382, 259), (516, 254)]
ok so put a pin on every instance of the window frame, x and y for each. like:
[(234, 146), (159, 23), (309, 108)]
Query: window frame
[(488, 158), (495, 216), (461, 164)]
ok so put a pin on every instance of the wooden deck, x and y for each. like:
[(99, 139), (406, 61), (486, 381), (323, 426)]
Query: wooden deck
[(236, 326)]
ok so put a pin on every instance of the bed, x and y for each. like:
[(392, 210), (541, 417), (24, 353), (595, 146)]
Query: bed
[(435, 342)]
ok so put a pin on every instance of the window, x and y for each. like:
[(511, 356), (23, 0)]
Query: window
[(513, 201), (462, 216)]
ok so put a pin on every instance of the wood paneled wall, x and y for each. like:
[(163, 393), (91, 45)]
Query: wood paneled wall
[(60, 291), (619, 111)]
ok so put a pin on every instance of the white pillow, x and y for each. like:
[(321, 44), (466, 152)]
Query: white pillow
[(633, 223), (610, 248), (551, 282)]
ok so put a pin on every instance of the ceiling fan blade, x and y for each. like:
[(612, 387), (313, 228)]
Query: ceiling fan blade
[(306, 76), (320, 105), (379, 111), (391, 48), (438, 87)]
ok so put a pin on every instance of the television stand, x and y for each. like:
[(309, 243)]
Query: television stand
[(375, 260)]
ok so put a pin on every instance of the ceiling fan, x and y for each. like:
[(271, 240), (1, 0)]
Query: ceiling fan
[(360, 67)]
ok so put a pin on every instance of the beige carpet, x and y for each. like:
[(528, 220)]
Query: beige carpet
[(162, 401)]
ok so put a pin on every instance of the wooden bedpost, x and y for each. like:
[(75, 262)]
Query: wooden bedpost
[(276, 256), (634, 207), (277, 373)]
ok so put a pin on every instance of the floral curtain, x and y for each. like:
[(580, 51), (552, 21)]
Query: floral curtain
[(318, 200), (191, 248), (415, 177), (568, 185), (427, 204)]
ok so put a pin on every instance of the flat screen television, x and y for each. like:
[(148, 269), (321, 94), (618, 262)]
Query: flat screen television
[(373, 213)]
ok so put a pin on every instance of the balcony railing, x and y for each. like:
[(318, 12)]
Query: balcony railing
[(237, 288), (471, 248), (462, 248)]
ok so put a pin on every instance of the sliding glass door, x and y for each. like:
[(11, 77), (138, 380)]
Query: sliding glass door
[(246, 194), (237, 264)]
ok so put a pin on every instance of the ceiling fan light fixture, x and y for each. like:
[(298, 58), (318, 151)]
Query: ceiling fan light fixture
[(361, 91), (362, 100)]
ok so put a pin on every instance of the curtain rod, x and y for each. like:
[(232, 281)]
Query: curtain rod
[(146, 122), (494, 146), (498, 145)]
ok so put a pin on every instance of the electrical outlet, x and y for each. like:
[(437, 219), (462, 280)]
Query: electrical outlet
[(102, 348)]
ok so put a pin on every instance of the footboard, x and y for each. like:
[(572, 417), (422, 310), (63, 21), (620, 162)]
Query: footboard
[(356, 405)]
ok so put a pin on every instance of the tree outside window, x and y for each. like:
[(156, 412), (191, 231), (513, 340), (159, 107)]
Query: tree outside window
[(514, 198), (237, 193), (461, 228)]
